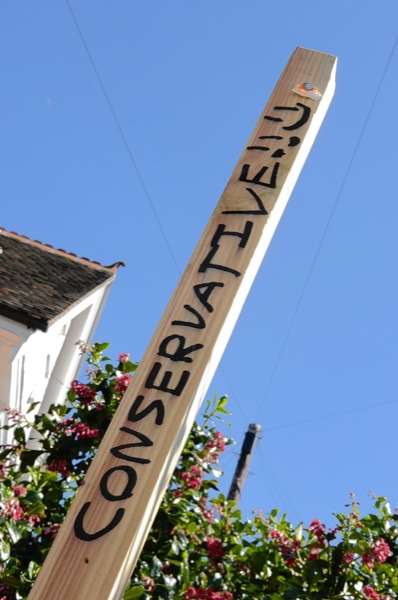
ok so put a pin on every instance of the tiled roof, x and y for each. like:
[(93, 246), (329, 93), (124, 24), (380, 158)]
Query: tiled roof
[(39, 282)]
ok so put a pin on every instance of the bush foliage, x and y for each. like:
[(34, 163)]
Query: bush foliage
[(200, 546)]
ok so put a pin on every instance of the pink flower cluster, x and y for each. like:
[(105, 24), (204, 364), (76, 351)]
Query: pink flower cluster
[(215, 446), (193, 477), (59, 465), (14, 416), (215, 549), (122, 382), (208, 515), (13, 510), (34, 519), (83, 391), (149, 584), (382, 550), (52, 530), (20, 491), (314, 552), (370, 593), (378, 554), (348, 558), (217, 442), (193, 593), (318, 530), (206, 511), (287, 547), (124, 357), (81, 431)]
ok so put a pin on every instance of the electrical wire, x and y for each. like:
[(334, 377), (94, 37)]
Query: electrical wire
[(335, 205), (128, 148), (120, 130), (156, 216), (327, 417)]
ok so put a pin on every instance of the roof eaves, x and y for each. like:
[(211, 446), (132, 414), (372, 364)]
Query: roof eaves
[(24, 318), (103, 284), (111, 269)]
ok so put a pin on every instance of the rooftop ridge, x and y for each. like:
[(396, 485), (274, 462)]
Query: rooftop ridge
[(94, 264)]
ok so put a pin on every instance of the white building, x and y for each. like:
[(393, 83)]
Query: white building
[(49, 301)]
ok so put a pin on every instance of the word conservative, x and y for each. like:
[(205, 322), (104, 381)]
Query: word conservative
[(255, 183)]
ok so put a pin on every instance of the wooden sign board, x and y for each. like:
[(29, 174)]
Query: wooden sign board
[(100, 541)]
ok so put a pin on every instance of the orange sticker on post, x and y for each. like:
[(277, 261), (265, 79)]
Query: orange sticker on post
[(307, 90)]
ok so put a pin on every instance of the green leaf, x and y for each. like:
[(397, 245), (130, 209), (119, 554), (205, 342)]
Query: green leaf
[(28, 457), (130, 367), (134, 592), (293, 593), (4, 550), (46, 423), (185, 575), (5, 452), (170, 581), (221, 404), (315, 569), (298, 532), (33, 502), (32, 406), (19, 435), (101, 347), (192, 527), (156, 567), (13, 532), (33, 569)]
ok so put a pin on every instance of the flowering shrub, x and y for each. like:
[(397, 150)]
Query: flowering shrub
[(199, 546)]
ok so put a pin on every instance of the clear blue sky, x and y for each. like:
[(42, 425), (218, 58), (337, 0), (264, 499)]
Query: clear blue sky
[(188, 81)]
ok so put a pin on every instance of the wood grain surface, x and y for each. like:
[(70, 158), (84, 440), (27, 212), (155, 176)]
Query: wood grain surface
[(100, 541)]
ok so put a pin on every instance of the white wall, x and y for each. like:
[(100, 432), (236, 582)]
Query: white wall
[(37, 366), (12, 336)]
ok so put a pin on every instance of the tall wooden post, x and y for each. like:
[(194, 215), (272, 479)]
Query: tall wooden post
[(99, 543)]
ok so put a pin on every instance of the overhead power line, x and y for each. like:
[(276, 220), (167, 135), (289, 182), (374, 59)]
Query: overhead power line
[(155, 213), (341, 415), (286, 339), (125, 142), (120, 130)]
